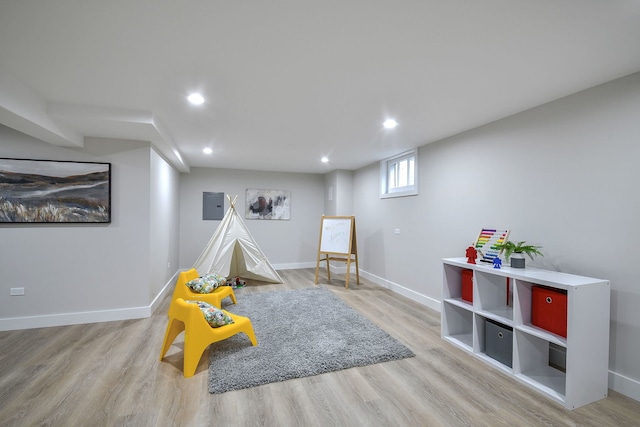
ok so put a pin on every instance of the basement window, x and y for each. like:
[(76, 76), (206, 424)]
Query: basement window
[(399, 175)]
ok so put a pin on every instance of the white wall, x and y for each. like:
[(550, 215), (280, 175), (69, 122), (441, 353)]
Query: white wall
[(287, 244), (344, 193), (164, 223), (330, 190), (563, 175), (77, 273), (338, 198)]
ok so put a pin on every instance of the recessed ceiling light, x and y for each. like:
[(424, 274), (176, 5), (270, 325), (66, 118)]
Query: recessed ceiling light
[(196, 99), (389, 124), (324, 159), (207, 150)]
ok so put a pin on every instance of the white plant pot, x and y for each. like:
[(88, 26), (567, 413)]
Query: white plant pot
[(517, 260)]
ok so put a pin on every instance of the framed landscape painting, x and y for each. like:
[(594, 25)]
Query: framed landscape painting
[(51, 191)]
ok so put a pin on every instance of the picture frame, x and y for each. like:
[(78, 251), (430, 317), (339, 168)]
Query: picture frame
[(54, 191), (268, 204)]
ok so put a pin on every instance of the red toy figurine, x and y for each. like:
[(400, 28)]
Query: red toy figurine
[(472, 254)]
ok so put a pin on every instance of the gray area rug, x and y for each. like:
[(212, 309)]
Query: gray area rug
[(300, 333)]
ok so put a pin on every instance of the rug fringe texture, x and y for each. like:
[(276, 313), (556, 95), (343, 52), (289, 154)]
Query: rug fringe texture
[(301, 333)]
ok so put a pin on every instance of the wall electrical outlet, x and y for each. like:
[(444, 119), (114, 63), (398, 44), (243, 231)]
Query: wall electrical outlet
[(396, 231), (16, 291)]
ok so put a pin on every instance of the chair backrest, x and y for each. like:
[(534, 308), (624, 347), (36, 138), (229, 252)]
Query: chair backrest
[(187, 313), (181, 290), (186, 276)]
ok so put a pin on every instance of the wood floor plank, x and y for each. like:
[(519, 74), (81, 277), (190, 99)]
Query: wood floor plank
[(109, 374)]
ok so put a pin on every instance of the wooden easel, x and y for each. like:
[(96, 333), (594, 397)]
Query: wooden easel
[(338, 243)]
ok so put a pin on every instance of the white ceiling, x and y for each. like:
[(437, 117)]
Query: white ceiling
[(290, 81)]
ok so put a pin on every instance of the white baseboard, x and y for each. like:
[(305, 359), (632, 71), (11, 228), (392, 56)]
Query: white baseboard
[(395, 287), (294, 266), (166, 288), (399, 289), (78, 318), (624, 385), (65, 319)]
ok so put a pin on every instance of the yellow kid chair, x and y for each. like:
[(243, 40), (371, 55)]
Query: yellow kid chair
[(198, 334), (215, 298)]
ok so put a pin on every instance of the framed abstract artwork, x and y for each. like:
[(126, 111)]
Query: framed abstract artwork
[(53, 191), (268, 204)]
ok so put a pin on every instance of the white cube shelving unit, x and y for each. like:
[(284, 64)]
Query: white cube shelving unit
[(584, 378)]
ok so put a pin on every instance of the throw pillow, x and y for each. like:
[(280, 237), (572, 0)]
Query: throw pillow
[(213, 315), (206, 284)]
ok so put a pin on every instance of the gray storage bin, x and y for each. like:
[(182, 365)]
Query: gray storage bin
[(499, 342)]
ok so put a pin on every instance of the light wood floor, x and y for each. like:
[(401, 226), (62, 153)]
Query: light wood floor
[(108, 374)]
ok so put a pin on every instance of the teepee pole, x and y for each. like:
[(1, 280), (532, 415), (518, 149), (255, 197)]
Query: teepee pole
[(232, 205)]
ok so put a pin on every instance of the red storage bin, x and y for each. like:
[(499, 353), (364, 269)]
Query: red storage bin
[(467, 285), (549, 309)]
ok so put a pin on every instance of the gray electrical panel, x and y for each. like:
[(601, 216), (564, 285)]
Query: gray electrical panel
[(212, 206)]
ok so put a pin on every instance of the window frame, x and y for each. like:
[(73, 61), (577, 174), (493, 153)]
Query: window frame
[(385, 166)]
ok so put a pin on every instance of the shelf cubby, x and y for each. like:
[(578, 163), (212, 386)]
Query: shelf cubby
[(458, 326), (532, 365), (491, 296), (480, 343)]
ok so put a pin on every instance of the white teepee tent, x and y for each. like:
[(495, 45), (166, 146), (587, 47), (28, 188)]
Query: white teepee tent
[(232, 251)]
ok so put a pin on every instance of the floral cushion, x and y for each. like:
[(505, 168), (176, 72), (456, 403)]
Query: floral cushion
[(206, 284), (214, 316)]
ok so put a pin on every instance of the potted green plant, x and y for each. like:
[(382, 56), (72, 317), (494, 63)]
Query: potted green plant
[(516, 252)]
